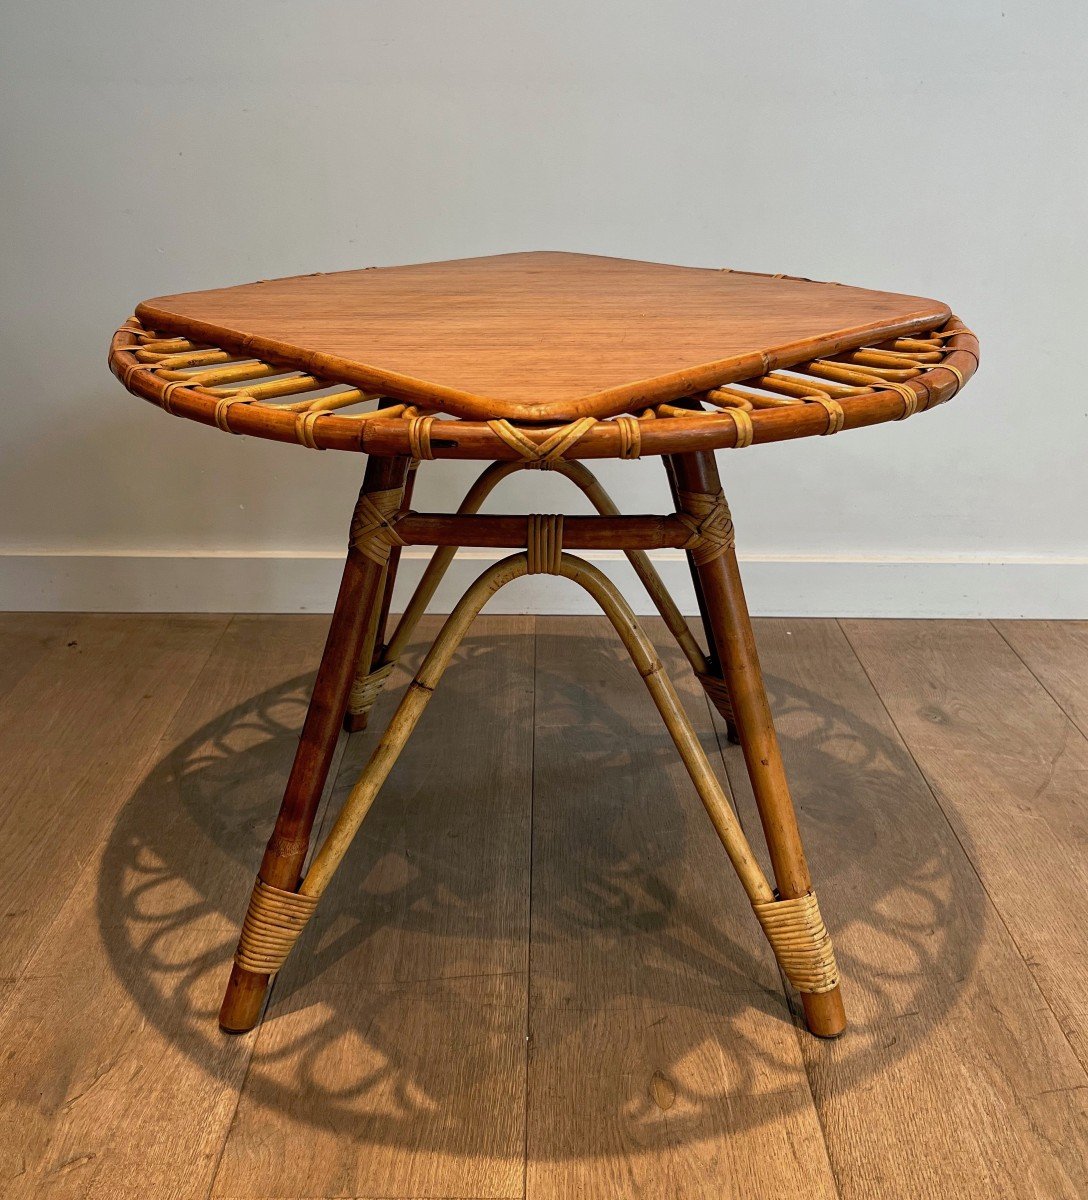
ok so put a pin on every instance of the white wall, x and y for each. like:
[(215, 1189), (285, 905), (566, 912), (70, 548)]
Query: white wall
[(931, 148)]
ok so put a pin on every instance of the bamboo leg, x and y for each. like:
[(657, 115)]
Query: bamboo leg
[(711, 677), (371, 670), (359, 595), (736, 651), (394, 559)]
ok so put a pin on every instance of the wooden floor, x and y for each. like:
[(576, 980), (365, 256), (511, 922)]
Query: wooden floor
[(535, 974)]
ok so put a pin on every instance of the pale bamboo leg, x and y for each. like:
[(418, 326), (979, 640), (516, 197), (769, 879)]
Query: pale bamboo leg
[(584, 479), (279, 917), (282, 864), (736, 650), (437, 660)]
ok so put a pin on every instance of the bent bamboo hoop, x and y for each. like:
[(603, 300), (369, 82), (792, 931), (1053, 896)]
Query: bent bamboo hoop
[(369, 682), (862, 386), (794, 927)]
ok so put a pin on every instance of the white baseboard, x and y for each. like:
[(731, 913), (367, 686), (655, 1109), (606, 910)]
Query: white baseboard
[(1055, 588)]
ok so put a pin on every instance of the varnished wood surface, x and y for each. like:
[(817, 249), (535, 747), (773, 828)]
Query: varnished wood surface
[(539, 335), (540, 978)]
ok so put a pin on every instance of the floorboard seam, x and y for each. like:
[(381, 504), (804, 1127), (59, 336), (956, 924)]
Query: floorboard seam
[(529, 924), (331, 781), (799, 1028), (1027, 666), (998, 914)]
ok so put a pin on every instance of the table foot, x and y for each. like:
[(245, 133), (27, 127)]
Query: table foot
[(242, 1003), (356, 603), (697, 488), (825, 1014)]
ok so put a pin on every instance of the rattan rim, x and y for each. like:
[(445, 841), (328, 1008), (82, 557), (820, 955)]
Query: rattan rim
[(864, 386)]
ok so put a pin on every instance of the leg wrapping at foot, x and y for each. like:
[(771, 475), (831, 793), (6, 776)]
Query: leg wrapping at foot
[(800, 942), (274, 920), (715, 687), (366, 689)]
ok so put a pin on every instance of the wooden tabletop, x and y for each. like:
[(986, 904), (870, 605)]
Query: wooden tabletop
[(539, 336)]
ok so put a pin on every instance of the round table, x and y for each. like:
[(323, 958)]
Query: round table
[(540, 361)]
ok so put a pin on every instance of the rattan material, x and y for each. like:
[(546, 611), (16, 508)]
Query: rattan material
[(718, 691), (710, 522), (544, 544), (554, 446), (794, 928), (889, 381), (274, 920), (800, 942), (368, 682), (365, 691), (373, 531), (706, 366)]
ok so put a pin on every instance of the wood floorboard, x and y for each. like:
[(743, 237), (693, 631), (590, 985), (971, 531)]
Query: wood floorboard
[(392, 1059), (953, 1078), (1056, 653), (76, 731), (1011, 773), (616, 1029), (117, 1081), (25, 638), (664, 1061)]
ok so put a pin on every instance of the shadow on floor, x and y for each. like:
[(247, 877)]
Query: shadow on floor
[(401, 1018)]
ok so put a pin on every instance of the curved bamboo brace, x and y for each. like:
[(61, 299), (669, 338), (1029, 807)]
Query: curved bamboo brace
[(368, 683), (793, 927)]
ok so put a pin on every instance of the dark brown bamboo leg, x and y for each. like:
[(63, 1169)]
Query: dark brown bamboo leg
[(736, 651), (374, 633), (714, 682), (356, 602)]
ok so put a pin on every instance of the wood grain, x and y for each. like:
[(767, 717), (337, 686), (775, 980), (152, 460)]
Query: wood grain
[(955, 1078), (25, 638), (1010, 770), (1056, 653), (662, 1060), (118, 1084), (392, 1059), (538, 335), (76, 731)]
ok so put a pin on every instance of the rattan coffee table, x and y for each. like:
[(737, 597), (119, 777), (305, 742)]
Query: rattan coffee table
[(540, 361)]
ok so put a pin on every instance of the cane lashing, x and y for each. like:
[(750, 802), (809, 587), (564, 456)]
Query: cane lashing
[(630, 437), (373, 531), (707, 516), (365, 690), (835, 414), (544, 544), (890, 380), (274, 920), (718, 691), (304, 429), (554, 446), (800, 942), (419, 437), (745, 429)]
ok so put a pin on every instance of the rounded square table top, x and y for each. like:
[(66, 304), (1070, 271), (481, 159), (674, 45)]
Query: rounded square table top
[(543, 335)]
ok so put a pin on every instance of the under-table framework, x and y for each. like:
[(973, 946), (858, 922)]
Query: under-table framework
[(327, 362)]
